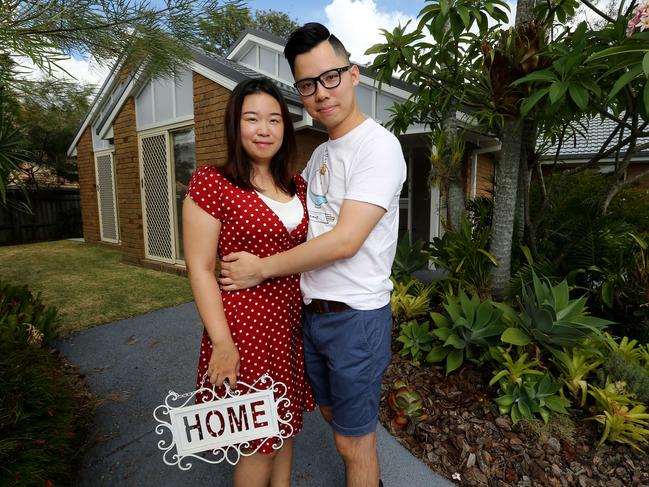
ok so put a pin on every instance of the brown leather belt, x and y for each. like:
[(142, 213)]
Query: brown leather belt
[(325, 306)]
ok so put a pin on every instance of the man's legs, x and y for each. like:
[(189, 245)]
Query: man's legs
[(359, 454)]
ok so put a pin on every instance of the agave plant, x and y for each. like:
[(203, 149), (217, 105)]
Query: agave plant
[(407, 405), (575, 365), (416, 339), (551, 319), (470, 325), (535, 396), (624, 419), (409, 258)]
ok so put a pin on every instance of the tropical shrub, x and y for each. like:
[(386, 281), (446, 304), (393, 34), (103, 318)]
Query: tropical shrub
[(469, 330), (464, 255), (24, 319), (43, 413), (603, 256)]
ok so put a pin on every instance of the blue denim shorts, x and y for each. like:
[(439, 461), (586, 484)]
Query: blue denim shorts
[(346, 354)]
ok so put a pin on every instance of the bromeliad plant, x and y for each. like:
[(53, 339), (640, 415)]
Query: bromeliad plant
[(575, 365), (551, 319), (407, 405), (410, 300), (624, 419), (513, 371), (416, 339), (470, 328), (536, 395)]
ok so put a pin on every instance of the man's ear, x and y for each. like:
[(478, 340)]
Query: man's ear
[(356, 74)]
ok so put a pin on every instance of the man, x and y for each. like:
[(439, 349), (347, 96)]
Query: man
[(354, 181)]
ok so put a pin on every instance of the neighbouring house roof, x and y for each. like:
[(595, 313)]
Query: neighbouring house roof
[(237, 72), (34, 176), (584, 146)]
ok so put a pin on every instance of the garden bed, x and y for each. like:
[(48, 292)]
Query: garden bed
[(465, 439)]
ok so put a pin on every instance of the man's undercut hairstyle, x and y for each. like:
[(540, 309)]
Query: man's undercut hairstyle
[(306, 38)]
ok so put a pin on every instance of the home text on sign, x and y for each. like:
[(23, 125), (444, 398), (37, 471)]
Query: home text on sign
[(224, 422)]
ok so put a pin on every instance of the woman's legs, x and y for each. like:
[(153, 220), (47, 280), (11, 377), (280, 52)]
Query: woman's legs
[(262, 470), (282, 465)]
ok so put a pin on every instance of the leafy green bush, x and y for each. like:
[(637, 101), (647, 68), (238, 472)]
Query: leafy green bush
[(470, 329), (631, 372), (24, 319), (602, 255), (40, 418)]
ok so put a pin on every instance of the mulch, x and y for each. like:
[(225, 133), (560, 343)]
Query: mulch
[(467, 441)]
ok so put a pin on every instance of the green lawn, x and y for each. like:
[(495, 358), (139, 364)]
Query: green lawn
[(88, 283)]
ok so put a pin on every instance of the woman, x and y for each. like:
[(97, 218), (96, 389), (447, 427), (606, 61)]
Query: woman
[(253, 203)]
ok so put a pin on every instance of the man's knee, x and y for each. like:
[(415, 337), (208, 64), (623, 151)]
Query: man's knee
[(355, 447), (327, 413)]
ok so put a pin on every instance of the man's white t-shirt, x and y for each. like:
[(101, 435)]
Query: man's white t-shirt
[(366, 165)]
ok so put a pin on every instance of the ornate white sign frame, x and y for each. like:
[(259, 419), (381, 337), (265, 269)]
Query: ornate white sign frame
[(192, 426)]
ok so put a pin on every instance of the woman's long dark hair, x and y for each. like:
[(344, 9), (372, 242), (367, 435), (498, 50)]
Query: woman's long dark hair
[(238, 168)]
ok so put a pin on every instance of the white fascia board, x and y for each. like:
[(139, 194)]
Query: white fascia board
[(242, 47), (224, 81), (107, 127), (94, 109), (608, 160), (417, 130), (385, 88)]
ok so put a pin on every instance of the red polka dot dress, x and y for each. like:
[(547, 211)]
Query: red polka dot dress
[(265, 321)]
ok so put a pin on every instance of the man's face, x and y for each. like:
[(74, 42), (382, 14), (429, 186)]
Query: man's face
[(331, 107)]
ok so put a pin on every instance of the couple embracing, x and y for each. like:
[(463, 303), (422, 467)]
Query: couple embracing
[(304, 288)]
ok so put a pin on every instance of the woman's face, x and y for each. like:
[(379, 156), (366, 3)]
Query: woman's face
[(262, 127)]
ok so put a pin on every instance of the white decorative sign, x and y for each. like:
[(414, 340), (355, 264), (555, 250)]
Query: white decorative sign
[(222, 426)]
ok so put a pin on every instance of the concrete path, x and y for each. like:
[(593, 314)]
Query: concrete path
[(131, 365)]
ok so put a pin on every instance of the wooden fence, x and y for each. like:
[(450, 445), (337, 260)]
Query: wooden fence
[(56, 214)]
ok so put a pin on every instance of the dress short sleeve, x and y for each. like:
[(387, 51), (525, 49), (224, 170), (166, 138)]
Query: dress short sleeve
[(204, 189)]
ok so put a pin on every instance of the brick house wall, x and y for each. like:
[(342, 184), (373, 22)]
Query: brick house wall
[(127, 174), (88, 188), (210, 101), (307, 140)]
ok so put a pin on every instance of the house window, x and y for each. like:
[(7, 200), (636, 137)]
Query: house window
[(184, 163)]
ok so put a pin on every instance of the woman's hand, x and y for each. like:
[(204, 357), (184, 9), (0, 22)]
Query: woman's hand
[(224, 364)]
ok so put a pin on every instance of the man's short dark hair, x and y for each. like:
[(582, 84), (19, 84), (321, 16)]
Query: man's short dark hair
[(306, 38)]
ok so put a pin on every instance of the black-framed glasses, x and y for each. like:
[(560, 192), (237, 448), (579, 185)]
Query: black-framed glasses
[(329, 79)]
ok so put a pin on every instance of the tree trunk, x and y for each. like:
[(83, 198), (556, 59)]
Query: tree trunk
[(455, 203), (505, 206), (524, 11)]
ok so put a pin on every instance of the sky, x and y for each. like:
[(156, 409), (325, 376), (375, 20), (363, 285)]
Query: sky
[(356, 23)]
